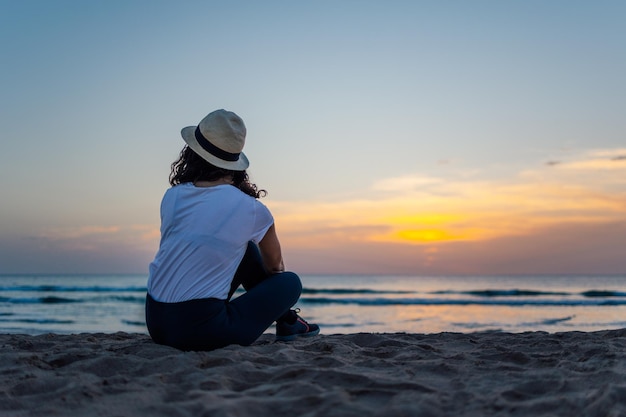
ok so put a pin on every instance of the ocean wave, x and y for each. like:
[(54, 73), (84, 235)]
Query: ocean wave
[(487, 293), (67, 288), (499, 326), (66, 300), (134, 323), (502, 293), (345, 291), (142, 289), (122, 298), (38, 300), (557, 320), (461, 302), (532, 293), (37, 321), (603, 294), (358, 296)]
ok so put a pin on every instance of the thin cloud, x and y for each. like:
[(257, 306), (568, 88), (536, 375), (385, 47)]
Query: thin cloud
[(77, 232), (598, 160), (426, 210), (93, 238), (408, 182)]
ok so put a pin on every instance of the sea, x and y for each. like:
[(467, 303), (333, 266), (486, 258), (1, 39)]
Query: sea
[(66, 304)]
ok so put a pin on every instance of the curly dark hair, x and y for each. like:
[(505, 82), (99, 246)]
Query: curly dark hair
[(190, 167)]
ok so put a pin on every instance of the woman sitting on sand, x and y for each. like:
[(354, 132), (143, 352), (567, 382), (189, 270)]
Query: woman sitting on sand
[(215, 236)]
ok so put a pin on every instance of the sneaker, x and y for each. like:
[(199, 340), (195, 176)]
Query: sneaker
[(291, 326)]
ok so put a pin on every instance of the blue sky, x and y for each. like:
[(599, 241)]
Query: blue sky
[(366, 120)]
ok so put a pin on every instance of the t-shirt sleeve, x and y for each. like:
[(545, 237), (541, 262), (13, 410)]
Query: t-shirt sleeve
[(263, 220)]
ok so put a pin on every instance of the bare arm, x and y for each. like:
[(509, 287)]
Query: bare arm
[(270, 252)]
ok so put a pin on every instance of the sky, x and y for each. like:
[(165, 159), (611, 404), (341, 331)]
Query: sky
[(396, 137)]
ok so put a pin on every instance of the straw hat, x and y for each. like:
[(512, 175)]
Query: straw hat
[(219, 140)]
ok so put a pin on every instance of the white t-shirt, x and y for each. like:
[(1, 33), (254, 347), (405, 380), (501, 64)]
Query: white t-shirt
[(204, 235)]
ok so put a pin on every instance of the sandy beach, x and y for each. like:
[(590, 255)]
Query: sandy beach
[(449, 374)]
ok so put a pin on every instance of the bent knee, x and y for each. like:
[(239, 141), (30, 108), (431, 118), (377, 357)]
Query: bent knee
[(292, 281)]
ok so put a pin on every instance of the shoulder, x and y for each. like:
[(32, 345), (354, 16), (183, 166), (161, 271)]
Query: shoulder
[(246, 199), (175, 189), (237, 193)]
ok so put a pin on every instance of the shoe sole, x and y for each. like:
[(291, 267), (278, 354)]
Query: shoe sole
[(293, 337)]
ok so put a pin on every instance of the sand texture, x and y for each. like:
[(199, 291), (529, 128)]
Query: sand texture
[(447, 374)]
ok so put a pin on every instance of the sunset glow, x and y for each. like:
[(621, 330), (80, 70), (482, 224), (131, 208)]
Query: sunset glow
[(436, 212)]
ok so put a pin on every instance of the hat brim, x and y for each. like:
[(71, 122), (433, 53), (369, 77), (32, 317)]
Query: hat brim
[(188, 134)]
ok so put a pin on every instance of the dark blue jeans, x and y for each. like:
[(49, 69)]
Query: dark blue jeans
[(210, 323)]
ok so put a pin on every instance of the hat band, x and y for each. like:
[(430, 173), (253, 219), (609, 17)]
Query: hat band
[(214, 150)]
